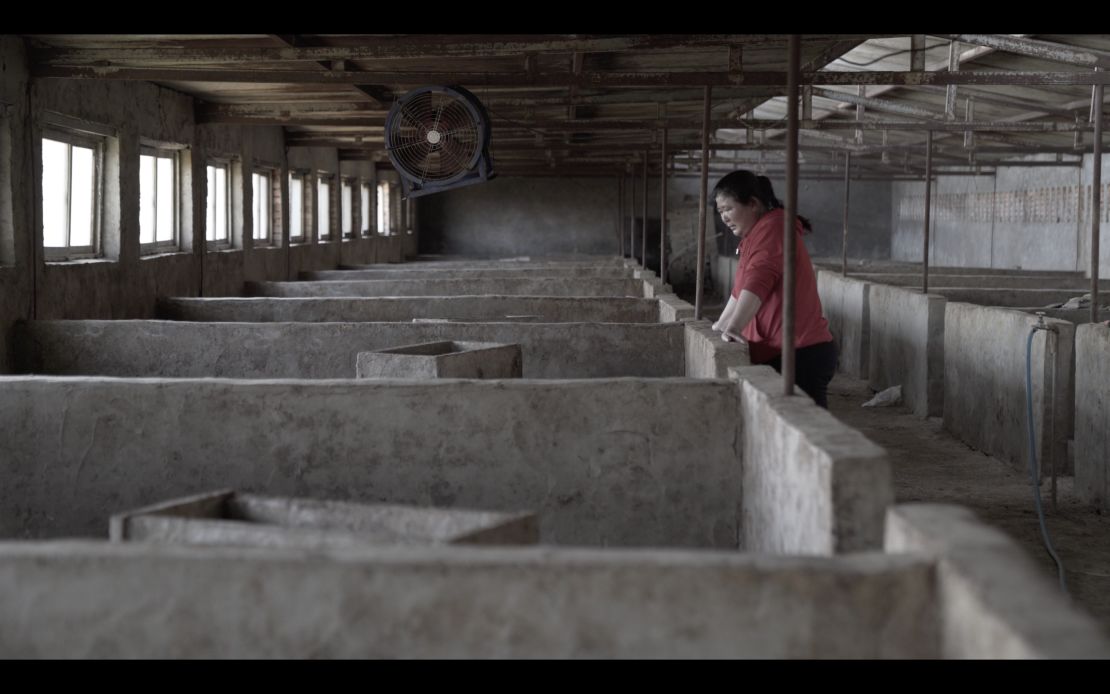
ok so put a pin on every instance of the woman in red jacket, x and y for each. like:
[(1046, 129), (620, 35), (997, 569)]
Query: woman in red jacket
[(748, 206)]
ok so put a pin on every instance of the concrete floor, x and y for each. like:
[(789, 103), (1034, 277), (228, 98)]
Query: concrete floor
[(929, 464)]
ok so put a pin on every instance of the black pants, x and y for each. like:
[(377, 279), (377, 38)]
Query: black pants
[(814, 367)]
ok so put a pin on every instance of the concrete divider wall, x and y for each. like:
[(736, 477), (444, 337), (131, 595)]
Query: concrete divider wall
[(1012, 298), (984, 384), (471, 273), (1077, 316), (513, 287), (388, 309), (847, 308), (994, 602), (907, 346), (328, 350), (811, 484), (1092, 414), (914, 268), (707, 355), (464, 263), (653, 286), (672, 308), (602, 462), (987, 282), (452, 602)]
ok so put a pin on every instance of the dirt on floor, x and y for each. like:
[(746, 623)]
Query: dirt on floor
[(931, 465)]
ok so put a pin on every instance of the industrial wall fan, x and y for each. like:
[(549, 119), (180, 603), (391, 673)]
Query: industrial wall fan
[(438, 139)]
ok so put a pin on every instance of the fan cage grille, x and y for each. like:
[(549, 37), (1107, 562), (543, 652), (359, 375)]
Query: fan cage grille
[(435, 136)]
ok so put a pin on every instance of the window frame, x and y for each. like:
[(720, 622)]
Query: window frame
[(304, 237), (347, 183), (384, 216), (324, 178), (225, 243), (172, 245), (271, 239), (86, 140)]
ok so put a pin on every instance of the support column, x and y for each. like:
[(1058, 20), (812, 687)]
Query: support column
[(703, 201), (663, 212), (643, 222), (928, 207), (789, 249), (1096, 196), (847, 190)]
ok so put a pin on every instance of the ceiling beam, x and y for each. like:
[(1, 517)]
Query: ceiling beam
[(378, 94), (1034, 48), (1027, 105), (967, 56), (651, 125), (564, 79), (629, 97), (886, 105), (416, 46)]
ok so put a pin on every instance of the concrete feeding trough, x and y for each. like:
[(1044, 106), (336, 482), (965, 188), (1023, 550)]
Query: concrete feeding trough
[(225, 517), (445, 359)]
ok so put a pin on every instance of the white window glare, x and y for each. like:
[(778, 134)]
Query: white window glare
[(69, 204), (146, 199), (347, 208), (365, 208), (323, 221), (81, 196), (157, 199), (55, 193), (165, 231), (262, 206), (296, 208), (383, 208), (219, 212)]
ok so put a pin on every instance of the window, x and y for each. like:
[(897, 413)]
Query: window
[(217, 229), (296, 207), (383, 208), (323, 220), (365, 209), (157, 199), (346, 203), (262, 185), (71, 166)]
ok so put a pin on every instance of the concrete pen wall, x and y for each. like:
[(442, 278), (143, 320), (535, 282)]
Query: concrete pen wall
[(328, 350), (603, 462)]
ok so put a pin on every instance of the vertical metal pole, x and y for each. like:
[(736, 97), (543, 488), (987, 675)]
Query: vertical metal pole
[(663, 212), (789, 249), (702, 202), (1055, 341), (632, 212), (620, 213), (847, 189), (928, 205), (1096, 196), (643, 224)]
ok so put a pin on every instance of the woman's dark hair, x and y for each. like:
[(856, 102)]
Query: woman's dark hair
[(743, 185)]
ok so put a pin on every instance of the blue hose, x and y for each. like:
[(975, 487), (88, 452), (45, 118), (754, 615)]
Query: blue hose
[(1033, 456)]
